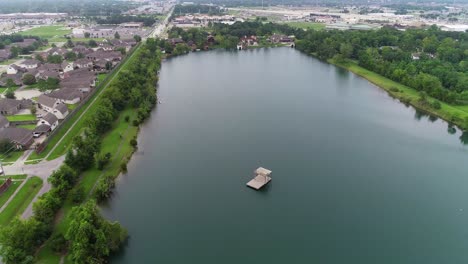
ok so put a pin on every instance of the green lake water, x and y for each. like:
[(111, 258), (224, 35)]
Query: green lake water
[(358, 177)]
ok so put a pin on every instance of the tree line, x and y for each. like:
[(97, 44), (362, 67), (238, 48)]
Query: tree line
[(89, 237), (431, 60)]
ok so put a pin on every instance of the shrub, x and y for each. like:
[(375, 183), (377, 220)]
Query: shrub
[(127, 119), (133, 143), (394, 89), (136, 122), (436, 105), (77, 195), (123, 166), (103, 160), (104, 188), (58, 243)]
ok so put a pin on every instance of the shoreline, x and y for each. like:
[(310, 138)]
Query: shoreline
[(409, 96)]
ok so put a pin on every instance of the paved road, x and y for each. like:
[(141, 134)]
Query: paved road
[(43, 170)]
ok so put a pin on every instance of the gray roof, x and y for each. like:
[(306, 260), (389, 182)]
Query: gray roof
[(42, 128), (7, 104), (18, 135), (46, 100), (65, 94), (30, 62), (50, 118), (3, 121), (62, 108)]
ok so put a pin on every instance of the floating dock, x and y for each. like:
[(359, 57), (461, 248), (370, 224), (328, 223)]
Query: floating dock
[(261, 178)]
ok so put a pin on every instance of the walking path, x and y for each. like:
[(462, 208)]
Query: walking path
[(42, 170)]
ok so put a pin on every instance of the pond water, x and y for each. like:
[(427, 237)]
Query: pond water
[(358, 177)]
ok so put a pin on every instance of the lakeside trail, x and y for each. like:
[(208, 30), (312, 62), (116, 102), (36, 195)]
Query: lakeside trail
[(88, 107)]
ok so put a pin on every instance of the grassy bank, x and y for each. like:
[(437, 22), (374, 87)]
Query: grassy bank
[(456, 114), (21, 201), (116, 142)]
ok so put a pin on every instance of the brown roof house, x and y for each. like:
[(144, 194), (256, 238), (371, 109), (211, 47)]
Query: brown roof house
[(50, 120), (12, 106), (53, 106), (67, 96), (21, 137)]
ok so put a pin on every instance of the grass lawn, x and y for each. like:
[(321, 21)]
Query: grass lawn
[(11, 157), (21, 201), (116, 142), (14, 177), (456, 114), (72, 106), (48, 32), (6, 195), (30, 127), (29, 117), (307, 25), (66, 142)]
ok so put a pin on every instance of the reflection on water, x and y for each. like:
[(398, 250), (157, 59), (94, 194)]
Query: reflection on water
[(418, 115), (464, 138), (451, 129)]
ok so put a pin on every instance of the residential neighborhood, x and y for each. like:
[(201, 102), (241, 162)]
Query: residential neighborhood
[(47, 87)]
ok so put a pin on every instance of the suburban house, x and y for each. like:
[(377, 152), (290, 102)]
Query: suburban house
[(57, 51), (4, 122), (47, 103), (83, 63), (14, 69), (25, 43), (67, 95), (81, 49), (277, 38), (81, 79), (12, 106), (16, 78), (41, 129), (4, 54), (21, 137), (48, 70), (29, 64), (52, 105), (49, 119), (105, 55), (67, 66), (175, 41), (61, 111)]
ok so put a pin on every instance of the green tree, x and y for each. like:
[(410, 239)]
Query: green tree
[(20, 239), (137, 38), (6, 145), (92, 238), (117, 35), (29, 79), (87, 34), (54, 59), (10, 94)]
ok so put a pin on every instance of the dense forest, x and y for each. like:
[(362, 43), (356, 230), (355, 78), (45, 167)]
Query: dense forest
[(431, 60), (118, 19)]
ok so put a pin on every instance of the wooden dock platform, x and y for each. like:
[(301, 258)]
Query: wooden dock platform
[(261, 178)]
